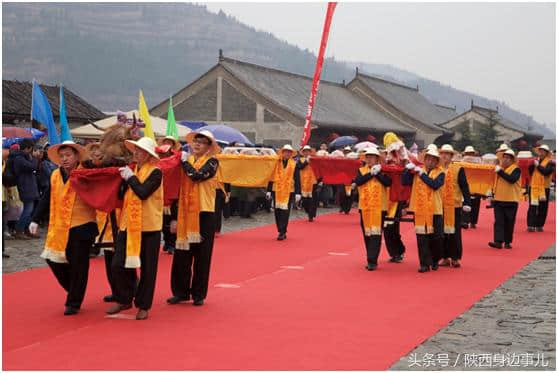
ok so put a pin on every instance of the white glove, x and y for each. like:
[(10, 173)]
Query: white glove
[(410, 166), (536, 162), (497, 169), (297, 198), (184, 156), (173, 226), (268, 195), (353, 185), (126, 172), (33, 228), (418, 170), (378, 168), (320, 183), (227, 197), (467, 208)]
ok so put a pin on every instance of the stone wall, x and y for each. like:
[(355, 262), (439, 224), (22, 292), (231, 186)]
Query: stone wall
[(201, 106)]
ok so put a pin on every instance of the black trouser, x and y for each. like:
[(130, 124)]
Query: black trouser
[(282, 216), (392, 235), (453, 247), (430, 245), (183, 284), (504, 220), (108, 268), (168, 237), (345, 201), (310, 204), (536, 215), (125, 279), (73, 275), (219, 206), (372, 243), (473, 216)]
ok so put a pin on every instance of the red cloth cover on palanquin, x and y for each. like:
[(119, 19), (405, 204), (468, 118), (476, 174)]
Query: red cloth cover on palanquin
[(98, 187)]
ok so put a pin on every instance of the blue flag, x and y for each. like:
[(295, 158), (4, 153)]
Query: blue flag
[(41, 112), (65, 134)]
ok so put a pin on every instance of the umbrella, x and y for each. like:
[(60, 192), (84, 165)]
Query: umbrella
[(192, 125), (343, 141), (11, 132), (364, 145), (226, 134)]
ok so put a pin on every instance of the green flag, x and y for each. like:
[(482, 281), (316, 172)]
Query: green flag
[(171, 122)]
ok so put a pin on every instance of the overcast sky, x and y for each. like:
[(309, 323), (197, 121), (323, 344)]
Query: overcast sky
[(503, 51)]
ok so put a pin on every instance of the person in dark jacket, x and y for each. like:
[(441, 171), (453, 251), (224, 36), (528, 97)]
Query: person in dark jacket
[(541, 172), (25, 168)]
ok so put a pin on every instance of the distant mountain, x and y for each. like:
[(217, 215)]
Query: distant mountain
[(106, 52)]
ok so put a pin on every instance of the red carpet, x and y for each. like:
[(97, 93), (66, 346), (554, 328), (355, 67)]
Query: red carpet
[(323, 311)]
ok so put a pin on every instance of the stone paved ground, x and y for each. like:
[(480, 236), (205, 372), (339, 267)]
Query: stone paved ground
[(518, 317)]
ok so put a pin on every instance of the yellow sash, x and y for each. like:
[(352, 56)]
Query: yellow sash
[(538, 184), (391, 209), (422, 203), (506, 192), (370, 204), (307, 180), (448, 195), (188, 222), (132, 207), (284, 179), (62, 198)]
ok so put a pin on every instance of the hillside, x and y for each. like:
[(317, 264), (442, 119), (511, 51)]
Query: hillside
[(106, 52)]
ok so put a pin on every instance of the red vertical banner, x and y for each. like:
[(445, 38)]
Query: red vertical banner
[(317, 74)]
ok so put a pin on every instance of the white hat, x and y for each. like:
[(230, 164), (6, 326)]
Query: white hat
[(213, 146), (432, 146), (371, 151), (352, 155), (510, 152), (306, 147), (347, 148), (55, 157), (145, 143), (447, 148), (175, 141), (502, 148), (287, 147), (544, 147), (469, 149), (322, 153), (433, 152)]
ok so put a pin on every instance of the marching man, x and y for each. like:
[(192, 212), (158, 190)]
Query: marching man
[(372, 204), (139, 236), (72, 226), (195, 226), (539, 191), (286, 182), (472, 218), (507, 194), (455, 194), (308, 183), (426, 203)]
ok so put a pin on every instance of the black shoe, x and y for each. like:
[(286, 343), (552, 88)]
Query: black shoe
[(423, 269), (531, 229), (109, 298), (435, 266), (474, 226), (539, 229), (465, 226), (175, 300), (70, 311), (507, 246), (371, 267), (310, 219), (496, 245), (198, 302), (281, 236)]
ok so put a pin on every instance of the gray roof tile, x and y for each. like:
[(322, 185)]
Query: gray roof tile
[(335, 104)]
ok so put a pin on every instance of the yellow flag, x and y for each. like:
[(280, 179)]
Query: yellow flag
[(144, 116)]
